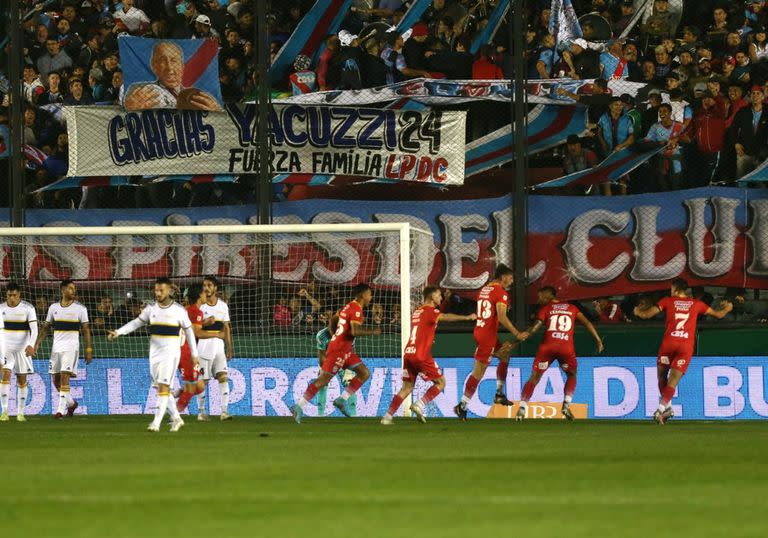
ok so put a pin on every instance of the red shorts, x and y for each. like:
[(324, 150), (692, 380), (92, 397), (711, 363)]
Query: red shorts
[(485, 349), (549, 354), (188, 371), (340, 360), (675, 356), (425, 367)]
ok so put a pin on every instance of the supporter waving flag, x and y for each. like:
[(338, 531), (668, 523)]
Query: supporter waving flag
[(563, 22)]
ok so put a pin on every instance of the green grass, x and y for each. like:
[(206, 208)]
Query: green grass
[(107, 477)]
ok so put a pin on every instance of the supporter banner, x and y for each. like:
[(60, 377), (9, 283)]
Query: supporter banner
[(714, 388), (486, 35), (563, 21), (170, 73), (448, 92), (424, 146), (614, 167), (196, 179), (584, 246), (547, 126), (324, 18)]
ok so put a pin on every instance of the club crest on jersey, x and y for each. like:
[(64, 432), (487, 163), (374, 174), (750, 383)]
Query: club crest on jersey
[(681, 362)]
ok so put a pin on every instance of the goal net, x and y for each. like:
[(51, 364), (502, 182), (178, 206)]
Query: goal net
[(282, 284)]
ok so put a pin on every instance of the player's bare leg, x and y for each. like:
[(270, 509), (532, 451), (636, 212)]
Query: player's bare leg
[(397, 401), (362, 374), (502, 368), (570, 388), (527, 393), (663, 373), (221, 377), (322, 380), (666, 395), (21, 396), (470, 387), (5, 389)]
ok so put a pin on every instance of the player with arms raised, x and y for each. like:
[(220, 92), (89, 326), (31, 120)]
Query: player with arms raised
[(417, 358), (492, 304), (19, 323), (677, 346), (560, 319), (341, 353), (68, 318), (166, 321), (213, 352), (190, 371)]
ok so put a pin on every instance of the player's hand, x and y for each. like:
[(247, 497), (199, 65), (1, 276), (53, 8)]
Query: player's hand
[(208, 321), (203, 101), (30, 351), (727, 306), (523, 336), (230, 354), (472, 317), (196, 362), (600, 346), (142, 98), (112, 335), (88, 356)]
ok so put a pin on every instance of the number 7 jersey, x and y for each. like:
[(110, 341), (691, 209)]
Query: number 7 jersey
[(682, 315), (487, 324)]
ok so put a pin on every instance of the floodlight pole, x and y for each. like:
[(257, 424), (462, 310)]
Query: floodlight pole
[(519, 192)]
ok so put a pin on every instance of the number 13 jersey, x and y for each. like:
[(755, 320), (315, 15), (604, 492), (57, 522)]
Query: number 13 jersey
[(487, 324)]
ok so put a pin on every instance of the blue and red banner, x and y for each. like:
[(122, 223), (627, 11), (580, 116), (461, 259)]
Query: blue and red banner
[(614, 167), (548, 126), (308, 38), (170, 73), (758, 175)]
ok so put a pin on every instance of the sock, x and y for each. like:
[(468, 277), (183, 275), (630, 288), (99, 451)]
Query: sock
[(397, 401), (523, 405), (666, 397), (527, 391), (570, 388), (183, 401), (21, 399), (469, 390), (308, 395), (430, 395), (322, 397), (70, 400), (352, 388), (162, 405), (173, 411), (501, 376), (201, 405), (63, 394), (5, 388), (568, 399), (224, 391)]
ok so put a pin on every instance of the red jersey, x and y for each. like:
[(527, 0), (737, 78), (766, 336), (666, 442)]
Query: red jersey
[(196, 317), (343, 340), (612, 313), (682, 315), (559, 321), (423, 327), (487, 324)]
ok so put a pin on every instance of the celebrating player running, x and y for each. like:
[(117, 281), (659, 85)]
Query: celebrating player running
[(492, 304), (341, 353), (677, 346), (559, 319), (166, 320), (417, 359)]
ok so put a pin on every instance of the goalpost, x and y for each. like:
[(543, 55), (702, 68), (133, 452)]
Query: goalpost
[(282, 283)]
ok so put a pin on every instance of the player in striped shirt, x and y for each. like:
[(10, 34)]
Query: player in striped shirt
[(166, 320), (19, 324), (68, 319)]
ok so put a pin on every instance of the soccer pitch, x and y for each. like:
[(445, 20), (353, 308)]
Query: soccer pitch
[(106, 476)]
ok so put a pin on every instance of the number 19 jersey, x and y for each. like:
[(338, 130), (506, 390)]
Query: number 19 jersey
[(559, 320)]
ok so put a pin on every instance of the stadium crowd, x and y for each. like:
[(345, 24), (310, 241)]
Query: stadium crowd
[(703, 94)]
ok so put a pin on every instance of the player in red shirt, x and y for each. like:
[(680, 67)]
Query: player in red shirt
[(190, 372), (559, 319), (492, 304), (341, 353), (676, 349), (417, 357)]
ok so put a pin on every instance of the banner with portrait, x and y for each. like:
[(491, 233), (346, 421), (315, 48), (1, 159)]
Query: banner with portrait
[(402, 145), (170, 73)]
